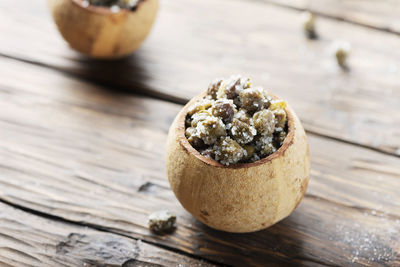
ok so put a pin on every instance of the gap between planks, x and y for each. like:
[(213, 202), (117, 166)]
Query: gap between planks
[(148, 92), (176, 100)]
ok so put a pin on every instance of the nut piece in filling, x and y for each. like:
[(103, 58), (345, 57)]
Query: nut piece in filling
[(264, 122), (236, 123), (252, 99), (280, 117), (241, 131), (203, 104), (228, 151), (223, 108), (192, 137), (264, 145), (231, 88), (213, 88), (210, 129), (162, 221)]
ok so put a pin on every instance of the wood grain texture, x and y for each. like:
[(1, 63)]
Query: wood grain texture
[(29, 240), (186, 50), (381, 15), (96, 157)]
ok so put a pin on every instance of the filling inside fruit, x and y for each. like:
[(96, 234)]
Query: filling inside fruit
[(236, 122), (115, 5)]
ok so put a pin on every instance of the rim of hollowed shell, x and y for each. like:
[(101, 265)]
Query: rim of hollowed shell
[(181, 128), (103, 10)]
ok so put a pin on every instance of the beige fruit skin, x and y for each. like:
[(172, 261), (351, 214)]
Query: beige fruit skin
[(99, 33), (240, 198)]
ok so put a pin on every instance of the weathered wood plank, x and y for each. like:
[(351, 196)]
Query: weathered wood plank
[(381, 15), (94, 156), (186, 50), (29, 240)]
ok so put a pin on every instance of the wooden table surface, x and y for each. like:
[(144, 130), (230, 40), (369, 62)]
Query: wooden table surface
[(82, 141)]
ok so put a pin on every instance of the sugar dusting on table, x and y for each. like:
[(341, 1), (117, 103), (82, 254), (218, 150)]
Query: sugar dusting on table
[(368, 245)]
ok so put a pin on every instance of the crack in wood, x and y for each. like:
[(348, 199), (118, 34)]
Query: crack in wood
[(138, 263), (360, 209), (97, 249), (352, 143), (146, 187)]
